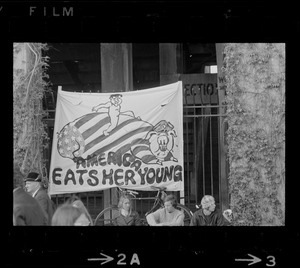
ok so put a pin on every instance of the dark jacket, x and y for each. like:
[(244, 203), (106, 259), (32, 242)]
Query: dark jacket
[(214, 219), (132, 219), (45, 202), (27, 211)]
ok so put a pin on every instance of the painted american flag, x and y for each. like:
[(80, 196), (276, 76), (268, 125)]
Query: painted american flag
[(84, 136)]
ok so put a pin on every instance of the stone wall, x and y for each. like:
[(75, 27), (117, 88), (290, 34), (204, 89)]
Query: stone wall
[(255, 98)]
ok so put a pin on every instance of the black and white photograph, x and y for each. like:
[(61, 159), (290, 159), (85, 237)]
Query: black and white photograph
[(171, 135)]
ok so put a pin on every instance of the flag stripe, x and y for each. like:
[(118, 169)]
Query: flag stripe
[(99, 132), (87, 133), (94, 142), (140, 148), (85, 119), (122, 139), (115, 130), (137, 141), (125, 148), (140, 142), (87, 125), (149, 159)]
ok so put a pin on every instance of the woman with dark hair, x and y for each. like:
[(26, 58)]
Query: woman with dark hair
[(167, 216), (126, 216)]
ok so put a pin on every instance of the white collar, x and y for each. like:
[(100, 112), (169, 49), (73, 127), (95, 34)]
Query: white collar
[(34, 194)]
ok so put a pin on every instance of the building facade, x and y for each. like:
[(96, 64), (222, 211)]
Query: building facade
[(115, 67)]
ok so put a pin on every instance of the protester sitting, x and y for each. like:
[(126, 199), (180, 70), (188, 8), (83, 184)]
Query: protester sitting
[(36, 189), (126, 216), (68, 215), (26, 210), (207, 215), (76, 202), (167, 216)]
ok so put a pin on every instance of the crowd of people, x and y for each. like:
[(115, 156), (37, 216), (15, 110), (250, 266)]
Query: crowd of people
[(32, 206)]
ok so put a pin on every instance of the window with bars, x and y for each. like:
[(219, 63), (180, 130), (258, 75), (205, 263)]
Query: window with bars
[(201, 152)]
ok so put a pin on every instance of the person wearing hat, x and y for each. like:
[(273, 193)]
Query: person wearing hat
[(207, 215), (35, 188), (26, 210)]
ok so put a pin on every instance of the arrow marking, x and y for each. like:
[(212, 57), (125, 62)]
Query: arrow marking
[(253, 260), (106, 259)]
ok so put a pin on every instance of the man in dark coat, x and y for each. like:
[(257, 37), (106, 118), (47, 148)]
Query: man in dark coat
[(26, 210), (207, 215), (37, 191)]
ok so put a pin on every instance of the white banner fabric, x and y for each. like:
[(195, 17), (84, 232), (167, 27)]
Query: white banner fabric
[(131, 140)]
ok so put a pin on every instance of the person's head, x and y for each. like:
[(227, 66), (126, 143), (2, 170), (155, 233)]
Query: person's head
[(228, 215), (66, 215), (85, 219), (32, 182), (170, 203), (125, 203), (208, 203), (116, 99), (18, 177)]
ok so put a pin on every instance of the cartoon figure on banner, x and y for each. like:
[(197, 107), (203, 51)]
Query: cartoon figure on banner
[(159, 142), (110, 130), (114, 111)]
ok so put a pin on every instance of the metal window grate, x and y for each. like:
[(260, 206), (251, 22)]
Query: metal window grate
[(201, 152)]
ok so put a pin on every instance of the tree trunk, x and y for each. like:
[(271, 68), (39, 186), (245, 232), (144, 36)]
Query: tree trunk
[(28, 90)]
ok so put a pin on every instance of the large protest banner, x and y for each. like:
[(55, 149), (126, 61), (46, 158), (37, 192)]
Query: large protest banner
[(131, 140)]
